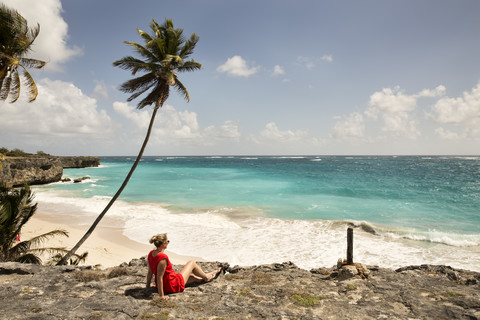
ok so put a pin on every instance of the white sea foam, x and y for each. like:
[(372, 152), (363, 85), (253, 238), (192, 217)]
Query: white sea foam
[(289, 157), (252, 240)]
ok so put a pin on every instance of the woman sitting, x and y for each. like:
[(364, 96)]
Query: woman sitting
[(166, 279)]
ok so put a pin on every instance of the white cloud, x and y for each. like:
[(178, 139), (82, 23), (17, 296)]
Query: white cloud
[(327, 58), (395, 108), (307, 62), (61, 110), (237, 66), (350, 127), (460, 111), (446, 134), (278, 70), (272, 133), (140, 119), (51, 44), (178, 127), (100, 90), (227, 131)]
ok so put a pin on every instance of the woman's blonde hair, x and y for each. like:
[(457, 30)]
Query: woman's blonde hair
[(158, 239)]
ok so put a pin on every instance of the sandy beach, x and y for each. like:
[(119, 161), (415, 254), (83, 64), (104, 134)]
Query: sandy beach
[(107, 246)]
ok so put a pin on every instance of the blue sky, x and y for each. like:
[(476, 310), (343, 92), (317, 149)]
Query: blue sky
[(279, 77)]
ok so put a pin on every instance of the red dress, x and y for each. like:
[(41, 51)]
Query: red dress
[(172, 282)]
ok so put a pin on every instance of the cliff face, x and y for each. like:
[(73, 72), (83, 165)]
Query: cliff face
[(40, 170), (79, 162)]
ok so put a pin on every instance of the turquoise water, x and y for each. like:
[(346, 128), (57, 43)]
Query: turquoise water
[(428, 200)]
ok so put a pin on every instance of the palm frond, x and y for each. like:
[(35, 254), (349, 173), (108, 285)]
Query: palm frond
[(181, 89), (146, 37), (32, 90), (29, 258), (5, 89), (17, 250), (38, 240), (157, 46), (134, 64), (15, 87), (189, 46), (32, 63), (142, 50), (3, 73), (128, 62), (30, 37), (138, 93), (157, 96), (189, 66), (139, 83), (49, 250)]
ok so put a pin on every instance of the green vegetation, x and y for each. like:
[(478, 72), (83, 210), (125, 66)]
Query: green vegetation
[(453, 294), (243, 293), (16, 40), (16, 208), (305, 299), (75, 260), (351, 287), (446, 294), (156, 316), (20, 153), (164, 54)]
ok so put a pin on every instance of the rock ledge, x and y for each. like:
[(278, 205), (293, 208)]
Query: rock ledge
[(275, 291)]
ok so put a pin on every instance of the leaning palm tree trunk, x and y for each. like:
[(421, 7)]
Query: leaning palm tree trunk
[(124, 184)]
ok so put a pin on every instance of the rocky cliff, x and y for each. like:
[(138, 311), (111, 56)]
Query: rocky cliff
[(275, 291), (40, 170)]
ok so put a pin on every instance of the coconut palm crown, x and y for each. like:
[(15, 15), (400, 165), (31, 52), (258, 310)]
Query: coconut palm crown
[(16, 40), (164, 55)]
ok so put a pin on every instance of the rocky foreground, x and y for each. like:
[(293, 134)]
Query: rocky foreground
[(276, 291)]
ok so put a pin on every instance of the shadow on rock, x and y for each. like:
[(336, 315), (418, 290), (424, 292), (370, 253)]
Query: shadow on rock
[(141, 293)]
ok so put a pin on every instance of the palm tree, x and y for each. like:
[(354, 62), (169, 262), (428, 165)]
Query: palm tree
[(16, 40), (164, 55), (16, 208)]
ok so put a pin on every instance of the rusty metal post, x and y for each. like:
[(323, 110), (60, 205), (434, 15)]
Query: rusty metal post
[(349, 246)]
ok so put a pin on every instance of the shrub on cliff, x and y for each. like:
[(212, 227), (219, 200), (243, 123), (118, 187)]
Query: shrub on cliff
[(16, 208)]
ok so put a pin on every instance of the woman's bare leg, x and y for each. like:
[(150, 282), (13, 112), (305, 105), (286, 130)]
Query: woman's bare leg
[(192, 273)]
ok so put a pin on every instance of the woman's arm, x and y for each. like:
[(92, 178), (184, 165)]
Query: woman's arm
[(149, 277), (162, 265)]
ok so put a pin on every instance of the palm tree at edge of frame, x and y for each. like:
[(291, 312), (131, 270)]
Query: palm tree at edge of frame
[(164, 53), (16, 41), (16, 209)]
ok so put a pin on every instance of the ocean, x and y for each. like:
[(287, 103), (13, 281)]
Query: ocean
[(253, 210)]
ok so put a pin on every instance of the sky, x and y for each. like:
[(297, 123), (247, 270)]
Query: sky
[(279, 77)]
